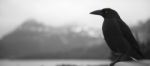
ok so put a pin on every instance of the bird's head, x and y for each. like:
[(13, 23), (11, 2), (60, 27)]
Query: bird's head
[(106, 13)]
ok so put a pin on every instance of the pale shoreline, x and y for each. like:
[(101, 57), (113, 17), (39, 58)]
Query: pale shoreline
[(7, 62)]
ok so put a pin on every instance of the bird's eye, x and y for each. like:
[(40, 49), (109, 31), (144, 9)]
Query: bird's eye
[(105, 12)]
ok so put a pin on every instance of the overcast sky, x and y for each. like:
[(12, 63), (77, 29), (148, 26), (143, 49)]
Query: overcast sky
[(60, 12)]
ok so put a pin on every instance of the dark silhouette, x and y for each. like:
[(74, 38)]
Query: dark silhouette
[(118, 36)]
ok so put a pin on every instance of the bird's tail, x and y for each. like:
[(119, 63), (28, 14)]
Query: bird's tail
[(141, 56), (138, 55)]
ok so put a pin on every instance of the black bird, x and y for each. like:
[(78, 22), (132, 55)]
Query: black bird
[(118, 36)]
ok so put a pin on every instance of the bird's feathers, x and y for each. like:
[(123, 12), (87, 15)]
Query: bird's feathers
[(117, 34)]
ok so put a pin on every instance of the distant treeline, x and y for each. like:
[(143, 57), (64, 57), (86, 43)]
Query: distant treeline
[(142, 34)]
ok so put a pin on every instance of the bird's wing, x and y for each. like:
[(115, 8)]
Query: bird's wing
[(129, 36), (114, 37)]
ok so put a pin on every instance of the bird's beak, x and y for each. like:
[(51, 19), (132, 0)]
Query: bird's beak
[(96, 12)]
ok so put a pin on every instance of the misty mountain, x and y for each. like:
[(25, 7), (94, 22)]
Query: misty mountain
[(33, 39)]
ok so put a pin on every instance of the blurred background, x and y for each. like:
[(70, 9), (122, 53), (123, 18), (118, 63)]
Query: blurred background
[(64, 29)]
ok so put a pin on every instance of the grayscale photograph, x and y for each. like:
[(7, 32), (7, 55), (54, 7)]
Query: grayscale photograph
[(74, 32)]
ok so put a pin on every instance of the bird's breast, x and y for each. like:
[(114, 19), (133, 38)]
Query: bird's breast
[(111, 26)]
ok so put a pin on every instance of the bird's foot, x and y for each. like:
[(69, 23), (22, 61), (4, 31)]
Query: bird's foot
[(113, 63), (133, 59)]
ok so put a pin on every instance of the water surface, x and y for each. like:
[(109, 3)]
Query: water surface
[(53, 62)]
